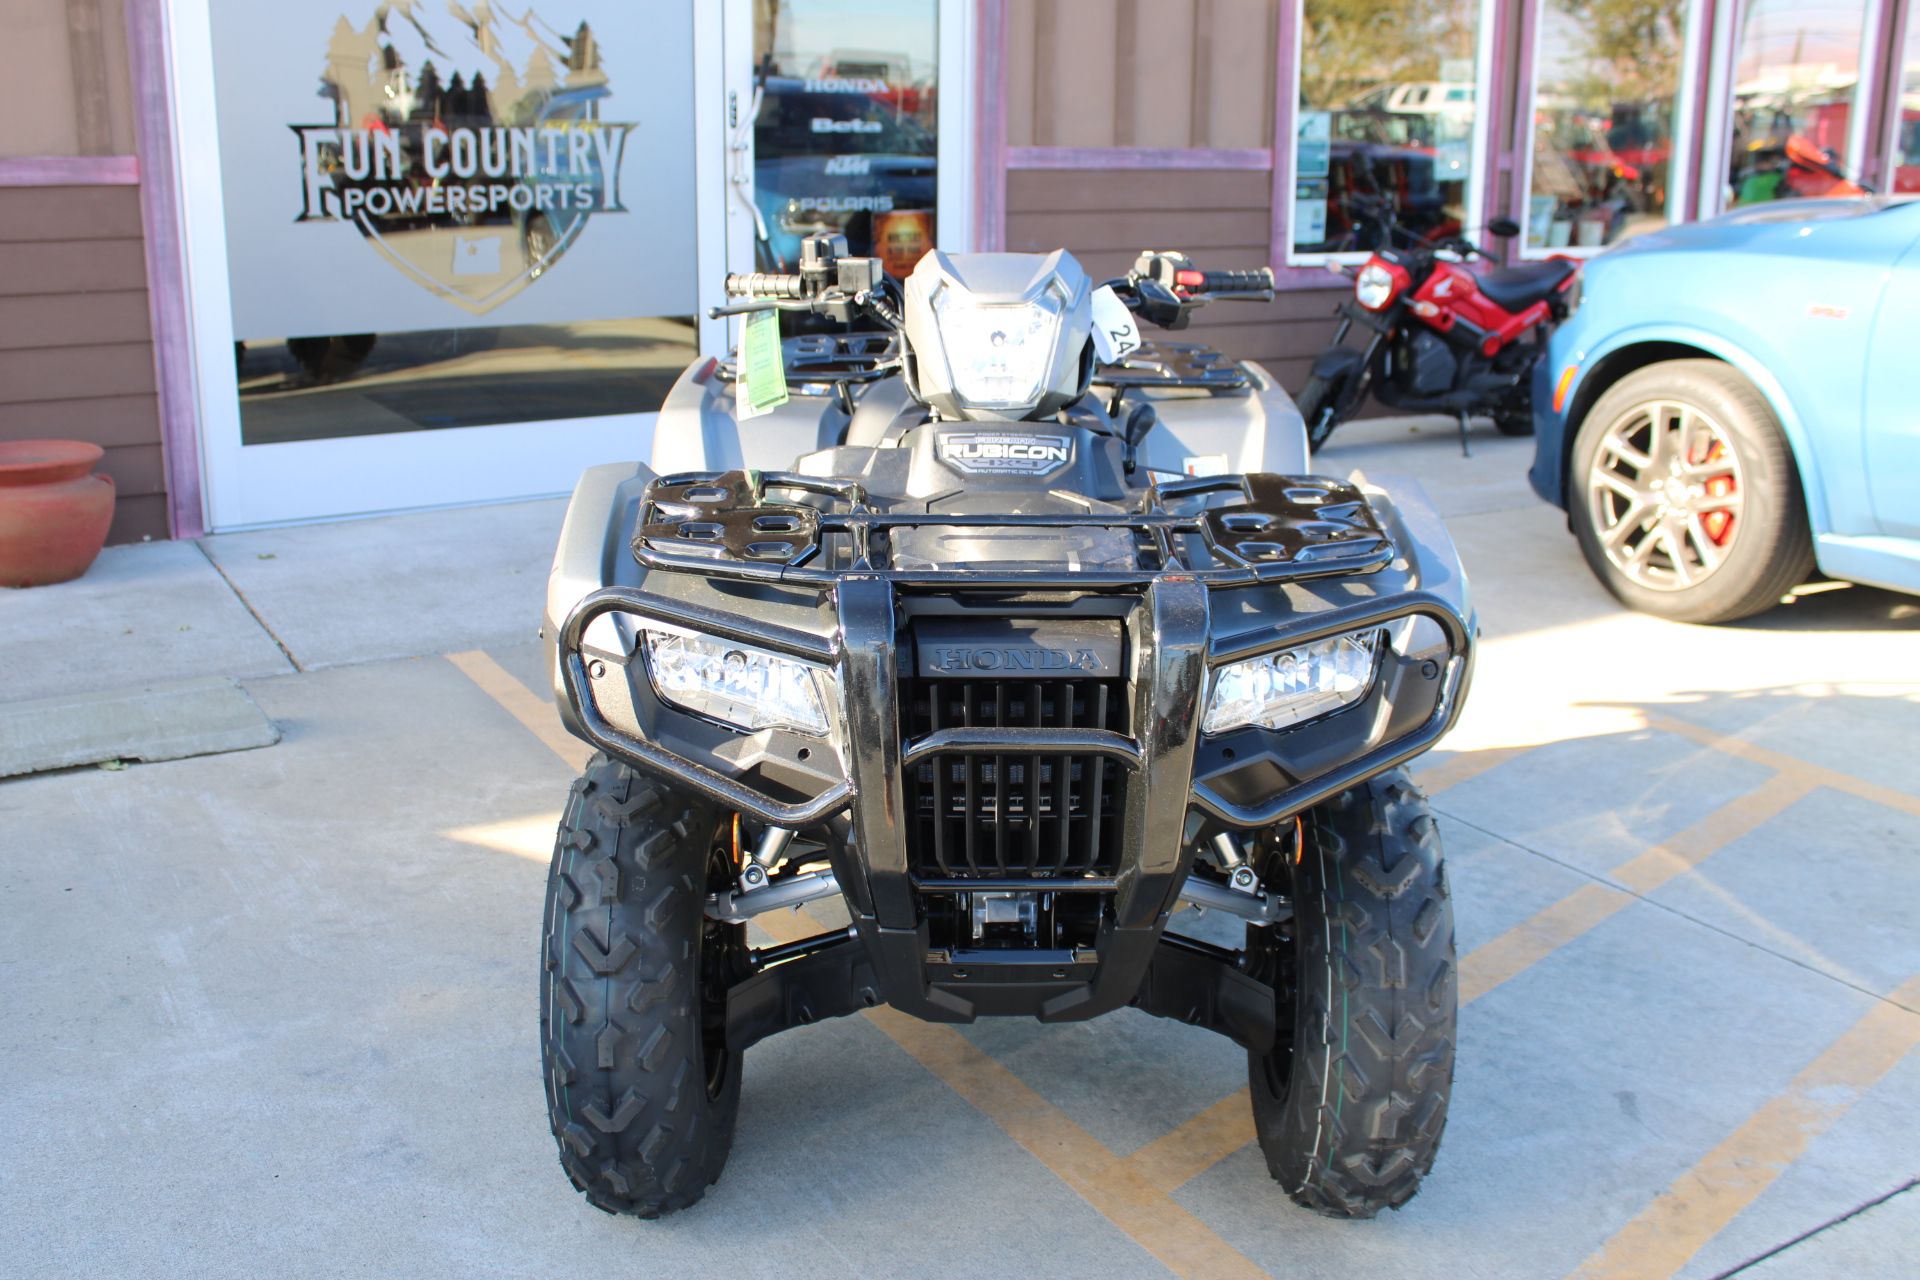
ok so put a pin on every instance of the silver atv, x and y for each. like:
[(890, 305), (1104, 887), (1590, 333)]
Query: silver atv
[(1002, 634)]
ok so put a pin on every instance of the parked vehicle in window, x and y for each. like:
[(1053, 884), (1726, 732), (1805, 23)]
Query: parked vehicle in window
[(1732, 408)]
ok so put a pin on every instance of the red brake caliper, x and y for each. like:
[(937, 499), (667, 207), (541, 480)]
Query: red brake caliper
[(1718, 524)]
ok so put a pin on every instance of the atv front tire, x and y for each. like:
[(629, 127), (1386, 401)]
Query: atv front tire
[(641, 1091), (1350, 1103)]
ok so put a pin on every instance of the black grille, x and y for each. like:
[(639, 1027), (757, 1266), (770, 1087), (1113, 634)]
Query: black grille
[(982, 814)]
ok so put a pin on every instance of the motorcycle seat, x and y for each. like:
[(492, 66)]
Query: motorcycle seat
[(1517, 288)]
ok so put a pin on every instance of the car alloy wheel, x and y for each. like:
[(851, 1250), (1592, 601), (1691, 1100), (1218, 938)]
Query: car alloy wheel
[(1664, 491)]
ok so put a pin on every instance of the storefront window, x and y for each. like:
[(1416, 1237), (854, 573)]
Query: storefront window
[(443, 217), (846, 136), (1386, 110), (1606, 76), (1794, 82), (1906, 138)]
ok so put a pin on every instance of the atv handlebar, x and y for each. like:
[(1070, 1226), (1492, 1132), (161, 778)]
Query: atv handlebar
[(766, 284), (1163, 288), (1255, 285)]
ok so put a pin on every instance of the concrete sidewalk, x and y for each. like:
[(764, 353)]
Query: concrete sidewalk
[(274, 1012), (283, 600)]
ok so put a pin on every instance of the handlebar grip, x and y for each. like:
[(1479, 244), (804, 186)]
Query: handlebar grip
[(765, 284), (1256, 281)]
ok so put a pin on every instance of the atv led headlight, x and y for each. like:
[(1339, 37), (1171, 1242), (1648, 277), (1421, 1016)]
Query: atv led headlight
[(736, 684), (1282, 689), (1000, 353)]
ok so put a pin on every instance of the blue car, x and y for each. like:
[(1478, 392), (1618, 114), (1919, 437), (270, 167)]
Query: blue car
[(1734, 405)]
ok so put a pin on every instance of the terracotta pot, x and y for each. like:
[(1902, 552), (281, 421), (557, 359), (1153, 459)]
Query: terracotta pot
[(53, 513)]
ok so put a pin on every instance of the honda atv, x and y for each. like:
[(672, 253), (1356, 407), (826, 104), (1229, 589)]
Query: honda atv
[(1013, 635)]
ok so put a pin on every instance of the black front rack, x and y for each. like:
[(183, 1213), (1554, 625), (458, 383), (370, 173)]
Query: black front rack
[(1280, 529)]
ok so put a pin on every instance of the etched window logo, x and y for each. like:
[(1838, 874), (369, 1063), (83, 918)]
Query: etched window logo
[(467, 146)]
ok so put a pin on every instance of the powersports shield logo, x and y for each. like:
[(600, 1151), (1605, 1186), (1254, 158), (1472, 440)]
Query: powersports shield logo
[(1001, 453), (467, 145)]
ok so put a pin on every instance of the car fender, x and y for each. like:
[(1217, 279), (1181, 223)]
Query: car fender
[(1754, 370)]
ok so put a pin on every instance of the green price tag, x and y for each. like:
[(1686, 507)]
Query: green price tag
[(763, 373)]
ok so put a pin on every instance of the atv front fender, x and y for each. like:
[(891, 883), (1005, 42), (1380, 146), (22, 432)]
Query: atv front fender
[(593, 553)]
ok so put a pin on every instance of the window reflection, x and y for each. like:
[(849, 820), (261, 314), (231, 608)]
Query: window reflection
[(1386, 108), (1607, 74), (845, 138), (1906, 138), (313, 388), (1793, 90)]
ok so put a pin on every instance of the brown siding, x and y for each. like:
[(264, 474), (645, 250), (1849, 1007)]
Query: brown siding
[(76, 352), (1106, 217), (1140, 73), (65, 85)]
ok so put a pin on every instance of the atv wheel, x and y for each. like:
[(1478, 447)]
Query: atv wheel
[(1319, 406), (1684, 497), (641, 1090), (1350, 1102)]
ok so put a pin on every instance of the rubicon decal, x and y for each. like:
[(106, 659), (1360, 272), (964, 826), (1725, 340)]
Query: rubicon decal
[(1004, 453), (468, 148)]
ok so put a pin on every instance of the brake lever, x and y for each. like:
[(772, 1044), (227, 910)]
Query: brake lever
[(759, 304)]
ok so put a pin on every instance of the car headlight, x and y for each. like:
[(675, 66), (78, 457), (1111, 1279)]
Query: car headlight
[(1282, 689), (736, 684), (999, 353), (1373, 287)]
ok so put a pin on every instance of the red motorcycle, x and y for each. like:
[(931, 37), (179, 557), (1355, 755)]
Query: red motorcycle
[(1439, 338)]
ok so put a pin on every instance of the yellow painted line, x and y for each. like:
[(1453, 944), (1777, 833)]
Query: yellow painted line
[(1463, 766), (1225, 1127), (1121, 1192), (1176, 1158), (1789, 766), (520, 702), (1704, 1199), (1185, 1245), (1538, 937)]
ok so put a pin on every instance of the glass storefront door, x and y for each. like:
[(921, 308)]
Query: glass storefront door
[(847, 136), (447, 252), (439, 253), (849, 117)]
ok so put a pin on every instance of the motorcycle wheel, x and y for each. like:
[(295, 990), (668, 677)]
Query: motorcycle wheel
[(1514, 423), (1320, 408)]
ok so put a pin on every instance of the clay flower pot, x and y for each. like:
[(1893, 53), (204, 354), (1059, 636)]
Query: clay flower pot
[(53, 512)]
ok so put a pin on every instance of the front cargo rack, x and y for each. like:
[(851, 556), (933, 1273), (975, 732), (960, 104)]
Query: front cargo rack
[(729, 524)]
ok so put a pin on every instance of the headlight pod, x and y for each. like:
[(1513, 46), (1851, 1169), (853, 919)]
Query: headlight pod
[(1374, 287), (736, 684), (1278, 690), (999, 354)]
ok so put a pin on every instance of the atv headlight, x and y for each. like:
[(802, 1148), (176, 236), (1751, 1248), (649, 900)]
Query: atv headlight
[(736, 684), (1282, 689), (999, 353)]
